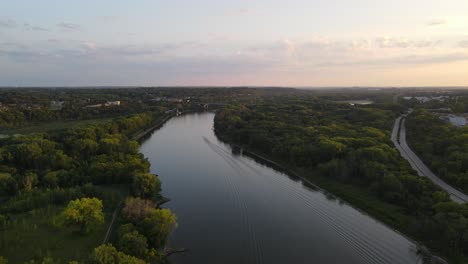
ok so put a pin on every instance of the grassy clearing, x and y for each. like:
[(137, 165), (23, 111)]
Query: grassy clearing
[(33, 235), (50, 126)]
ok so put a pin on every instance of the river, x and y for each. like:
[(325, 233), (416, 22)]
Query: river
[(232, 209)]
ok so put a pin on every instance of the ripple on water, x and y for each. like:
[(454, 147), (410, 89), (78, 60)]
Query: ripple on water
[(266, 217)]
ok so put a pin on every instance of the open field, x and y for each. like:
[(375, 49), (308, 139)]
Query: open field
[(36, 234), (23, 239), (49, 126)]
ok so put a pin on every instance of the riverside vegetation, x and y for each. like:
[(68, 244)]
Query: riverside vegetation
[(347, 150), (65, 168), (64, 172), (64, 186), (441, 145)]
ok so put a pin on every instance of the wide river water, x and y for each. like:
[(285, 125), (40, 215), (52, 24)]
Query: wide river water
[(232, 209)]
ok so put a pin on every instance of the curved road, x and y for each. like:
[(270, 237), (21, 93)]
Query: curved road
[(416, 163)]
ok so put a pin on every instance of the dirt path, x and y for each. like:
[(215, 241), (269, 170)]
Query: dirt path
[(109, 230)]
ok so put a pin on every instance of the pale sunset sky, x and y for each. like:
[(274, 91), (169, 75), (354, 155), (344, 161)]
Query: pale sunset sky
[(234, 43)]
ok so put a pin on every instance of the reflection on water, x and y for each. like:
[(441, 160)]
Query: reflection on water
[(233, 209)]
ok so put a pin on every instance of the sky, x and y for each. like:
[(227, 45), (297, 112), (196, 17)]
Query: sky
[(299, 43)]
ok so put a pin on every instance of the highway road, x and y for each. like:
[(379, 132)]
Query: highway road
[(399, 140)]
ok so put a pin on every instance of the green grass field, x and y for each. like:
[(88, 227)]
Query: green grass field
[(33, 235), (50, 126)]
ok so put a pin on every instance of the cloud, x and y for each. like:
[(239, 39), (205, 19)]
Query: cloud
[(68, 26), (240, 12), (427, 43), (90, 45), (436, 22), (11, 44), (128, 51), (390, 42), (39, 29), (172, 62), (20, 55), (429, 59), (34, 28), (7, 23), (463, 44), (409, 60)]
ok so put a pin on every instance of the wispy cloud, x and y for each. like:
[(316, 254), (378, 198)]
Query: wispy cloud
[(240, 12), (436, 22), (39, 29), (7, 23), (34, 28), (463, 44), (391, 42), (20, 54), (431, 59), (170, 62), (68, 26)]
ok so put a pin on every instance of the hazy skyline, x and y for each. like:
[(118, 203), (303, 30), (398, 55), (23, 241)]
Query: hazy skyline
[(208, 42)]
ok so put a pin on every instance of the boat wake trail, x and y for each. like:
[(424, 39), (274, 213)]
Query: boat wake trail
[(370, 248), (254, 247)]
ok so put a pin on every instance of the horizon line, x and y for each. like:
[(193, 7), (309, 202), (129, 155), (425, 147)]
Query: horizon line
[(236, 86)]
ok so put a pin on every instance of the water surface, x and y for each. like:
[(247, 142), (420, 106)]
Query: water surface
[(232, 209)]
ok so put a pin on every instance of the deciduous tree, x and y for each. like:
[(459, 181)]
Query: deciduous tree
[(84, 212)]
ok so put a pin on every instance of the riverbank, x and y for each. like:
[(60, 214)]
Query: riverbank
[(362, 200), (141, 134), (35, 214), (250, 200)]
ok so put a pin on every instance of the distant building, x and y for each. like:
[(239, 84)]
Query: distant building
[(56, 105), (174, 100), (112, 103), (93, 106), (108, 103), (425, 99), (165, 99), (455, 120), (159, 99), (458, 120)]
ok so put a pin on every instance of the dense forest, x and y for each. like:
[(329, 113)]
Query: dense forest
[(441, 145), (23, 107), (26, 106), (347, 150), (74, 177), (63, 175)]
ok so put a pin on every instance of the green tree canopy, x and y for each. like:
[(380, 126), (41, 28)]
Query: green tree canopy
[(158, 225), (133, 243), (146, 185), (8, 185), (84, 212), (108, 254)]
